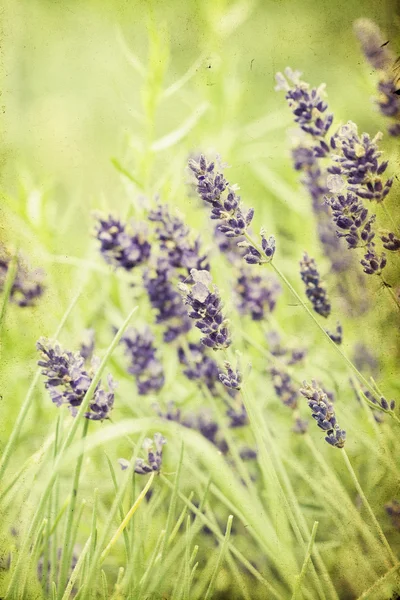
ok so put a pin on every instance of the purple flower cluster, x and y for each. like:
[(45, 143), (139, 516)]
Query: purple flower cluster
[(377, 414), (226, 207), (390, 241), (144, 364), (381, 58), (87, 345), (154, 449), (324, 413), (357, 160), (27, 286), (315, 289), (206, 310), (307, 154), (238, 417), (352, 219), (283, 386), (173, 237), (232, 378), (67, 380), (373, 263), (166, 300), (199, 366), (120, 246), (308, 107), (257, 294)]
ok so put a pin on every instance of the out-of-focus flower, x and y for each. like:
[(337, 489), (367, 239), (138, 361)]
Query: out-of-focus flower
[(283, 385), (393, 510), (154, 449), (67, 380), (144, 364), (173, 237), (324, 413), (315, 289), (300, 426), (336, 336), (206, 310), (381, 58), (199, 366), (87, 345), (166, 300), (257, 294), (364, 360), (27, 286), (238, 417), (120, 245)]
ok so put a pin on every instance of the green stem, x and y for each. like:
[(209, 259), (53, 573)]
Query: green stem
[(67, 550), (307, 559), (224, 548), (365, 595), (368, 506), (127, 518)]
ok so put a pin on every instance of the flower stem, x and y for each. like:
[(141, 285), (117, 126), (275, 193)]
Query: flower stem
[(128, 517), (368, 506), (307, 558)]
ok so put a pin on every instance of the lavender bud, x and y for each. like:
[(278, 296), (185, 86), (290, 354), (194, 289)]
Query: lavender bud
[(154, 450), (231, 379), (206, 310), (372, 262), (390, 241), (324, 413)]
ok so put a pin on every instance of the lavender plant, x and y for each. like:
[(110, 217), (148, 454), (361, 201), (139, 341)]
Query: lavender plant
[(247, 501)]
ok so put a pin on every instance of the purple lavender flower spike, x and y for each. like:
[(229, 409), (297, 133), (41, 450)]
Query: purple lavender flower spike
[(206, 310), (315, 289), (257, 294), (215, 190), (247, 453), (173, 236), (166, 301), (324, 413), (352, 220), (231, 378), (27, 286), (199, 366), (373, 263), (357, 160), (308, 106), (172, 413), (67, 380), (390, 241), (144, 364), (119, 245)]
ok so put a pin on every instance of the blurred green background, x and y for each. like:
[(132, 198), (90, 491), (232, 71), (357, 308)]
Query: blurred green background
[(71, 95)]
